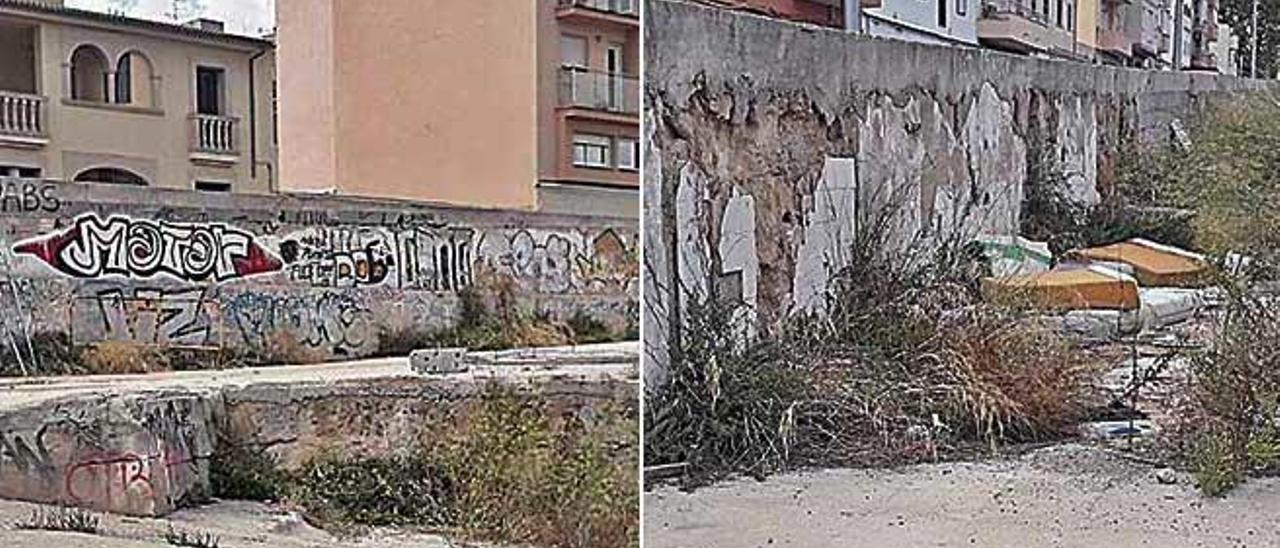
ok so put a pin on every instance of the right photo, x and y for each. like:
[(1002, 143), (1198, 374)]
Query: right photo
[(960, 273)]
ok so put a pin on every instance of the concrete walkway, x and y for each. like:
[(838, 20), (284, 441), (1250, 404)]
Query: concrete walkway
[(1069, 495), (587, 362)]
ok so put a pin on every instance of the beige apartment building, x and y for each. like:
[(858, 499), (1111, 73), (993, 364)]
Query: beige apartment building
[(91, 97), (529, 104)]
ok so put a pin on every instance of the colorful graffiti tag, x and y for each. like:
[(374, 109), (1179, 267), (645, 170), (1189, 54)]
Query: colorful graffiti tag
[(140, 248)]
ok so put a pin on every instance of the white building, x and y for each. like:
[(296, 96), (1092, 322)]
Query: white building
[(947, 22), (1226, 50)]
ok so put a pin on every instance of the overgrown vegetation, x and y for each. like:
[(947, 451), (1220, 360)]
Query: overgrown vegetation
[(1128, 209), (112, 357), (907, 363), (1229, 426), (61, 519), (1227, 170), (491, 318), (245, 473), (45, 353), (1228, 173), (510, 471)]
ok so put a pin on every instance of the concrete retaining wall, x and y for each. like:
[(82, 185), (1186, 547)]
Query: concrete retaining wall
[(146, 452), (770, 145), (328, 277)]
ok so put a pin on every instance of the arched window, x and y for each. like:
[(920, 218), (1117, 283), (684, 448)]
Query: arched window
[(124, 80), (133, 80), (110, 175), (89, 74)]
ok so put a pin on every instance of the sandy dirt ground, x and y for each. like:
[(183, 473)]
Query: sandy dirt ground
[(236, 524), (1068, 495)]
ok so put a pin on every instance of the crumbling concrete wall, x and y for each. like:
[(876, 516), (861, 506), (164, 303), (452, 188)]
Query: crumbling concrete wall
[(148, 453), (809, 137), (329, 277)]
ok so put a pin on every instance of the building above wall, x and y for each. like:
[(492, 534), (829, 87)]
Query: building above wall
[(95, 97)]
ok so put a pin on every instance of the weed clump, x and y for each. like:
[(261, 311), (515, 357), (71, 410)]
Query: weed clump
[(906, 363), (61, 519), (397, 490), (246, 473), (114, 357), (44, 353), (191, 539), (1229, 424)]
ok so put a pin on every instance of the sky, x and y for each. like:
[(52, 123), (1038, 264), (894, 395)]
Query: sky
[(248, 17)]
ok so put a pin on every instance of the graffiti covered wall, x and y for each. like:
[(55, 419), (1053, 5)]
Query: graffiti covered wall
[(334, 276), (770, 146)]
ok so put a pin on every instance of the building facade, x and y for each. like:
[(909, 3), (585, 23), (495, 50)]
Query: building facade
[(945, 22), (488, 103), (90, 97), (1039, 27)]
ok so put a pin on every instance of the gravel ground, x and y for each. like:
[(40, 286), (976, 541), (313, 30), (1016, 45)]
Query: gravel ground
[(1067, 495)]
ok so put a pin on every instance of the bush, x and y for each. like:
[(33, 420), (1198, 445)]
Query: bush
[(510, 471), (245, 473), (45, 353), (1227, 175), (386, 491), (728, 406), (907, 363)]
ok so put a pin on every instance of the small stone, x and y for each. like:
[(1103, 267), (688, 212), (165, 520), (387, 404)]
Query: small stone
[(1166, 476)]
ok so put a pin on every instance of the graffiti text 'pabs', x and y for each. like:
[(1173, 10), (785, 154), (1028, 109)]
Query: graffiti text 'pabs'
[(140, 248)]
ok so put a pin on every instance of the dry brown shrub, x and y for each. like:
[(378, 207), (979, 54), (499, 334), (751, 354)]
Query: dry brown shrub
[(283, 348), (116, 357)]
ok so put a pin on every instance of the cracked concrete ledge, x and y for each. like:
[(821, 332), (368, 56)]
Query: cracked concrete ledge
[(141, 445)]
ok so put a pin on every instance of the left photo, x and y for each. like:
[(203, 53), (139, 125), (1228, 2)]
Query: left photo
[(319, 273)]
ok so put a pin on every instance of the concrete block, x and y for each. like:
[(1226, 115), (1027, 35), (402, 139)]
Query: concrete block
[(1164, 306), (438, 361), (142, 455)]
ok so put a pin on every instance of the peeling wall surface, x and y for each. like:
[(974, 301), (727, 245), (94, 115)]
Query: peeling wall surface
[(332, 277), (819, 135)]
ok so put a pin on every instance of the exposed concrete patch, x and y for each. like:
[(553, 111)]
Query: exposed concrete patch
[(829, 230), (739, 265)]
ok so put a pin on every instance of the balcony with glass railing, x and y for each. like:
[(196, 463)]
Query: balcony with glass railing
[(599, 91)]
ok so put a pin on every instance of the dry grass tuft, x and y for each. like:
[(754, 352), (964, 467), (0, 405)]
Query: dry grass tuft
[(114, 357)]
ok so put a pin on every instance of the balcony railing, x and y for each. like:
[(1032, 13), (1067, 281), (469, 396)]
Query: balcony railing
[(599, 91), (21, 114), (213, 134), (629, 8)]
